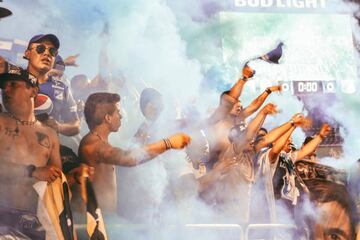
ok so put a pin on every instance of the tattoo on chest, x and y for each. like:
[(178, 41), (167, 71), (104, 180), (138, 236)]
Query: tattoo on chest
[(43, 139), (12, 132)]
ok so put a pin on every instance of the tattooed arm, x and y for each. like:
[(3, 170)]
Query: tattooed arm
[(99, 151)]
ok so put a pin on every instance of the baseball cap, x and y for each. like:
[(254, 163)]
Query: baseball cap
[(14, 73), (51, 37), (4, 12)]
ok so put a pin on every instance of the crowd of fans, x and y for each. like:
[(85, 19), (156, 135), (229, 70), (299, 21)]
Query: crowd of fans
[(242, 171)]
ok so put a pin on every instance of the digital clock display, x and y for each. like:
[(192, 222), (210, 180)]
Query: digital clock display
[(304, 87), (308, 87)]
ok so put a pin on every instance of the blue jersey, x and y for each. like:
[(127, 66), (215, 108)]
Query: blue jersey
[(65, 108)]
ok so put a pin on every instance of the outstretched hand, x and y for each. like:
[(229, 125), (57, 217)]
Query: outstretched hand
[(276, 88), (179, 140), (324, 130)]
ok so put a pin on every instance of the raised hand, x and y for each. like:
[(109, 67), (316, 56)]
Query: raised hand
[(71, 60), (298, 118), (270, 108), (324, 130), (275, 88), (179, 140), (247, 72)]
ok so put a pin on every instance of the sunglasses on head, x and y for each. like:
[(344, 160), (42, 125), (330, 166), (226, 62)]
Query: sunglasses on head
[(42, 48)]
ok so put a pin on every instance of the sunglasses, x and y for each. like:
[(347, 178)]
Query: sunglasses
[(42, 48)]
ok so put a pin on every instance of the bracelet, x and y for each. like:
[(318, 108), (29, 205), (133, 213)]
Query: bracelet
[(30, 169), (167, 143), (292, 122), (244, 79), (268, 91)]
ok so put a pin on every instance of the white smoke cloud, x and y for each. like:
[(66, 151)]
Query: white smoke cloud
[(168, 45)]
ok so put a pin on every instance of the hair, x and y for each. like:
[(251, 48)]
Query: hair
[(148, 95), (323, 191), (263, 129), (222, 95), (98, 105)]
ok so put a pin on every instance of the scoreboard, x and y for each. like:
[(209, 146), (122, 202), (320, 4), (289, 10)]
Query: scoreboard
[(318, 56), (308, 87)]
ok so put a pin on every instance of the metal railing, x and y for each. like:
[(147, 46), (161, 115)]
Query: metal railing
[(243, 235)]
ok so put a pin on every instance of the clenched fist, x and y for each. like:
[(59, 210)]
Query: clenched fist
[(248, 72), (324, 130), (179, 140)]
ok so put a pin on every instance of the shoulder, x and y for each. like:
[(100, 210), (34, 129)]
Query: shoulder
[(89, 146)]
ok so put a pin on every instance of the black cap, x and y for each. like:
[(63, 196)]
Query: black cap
[(51, 37), (4, 12), (14, 73)]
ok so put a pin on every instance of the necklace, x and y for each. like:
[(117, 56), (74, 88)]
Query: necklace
[(96, 134), (22, 122)]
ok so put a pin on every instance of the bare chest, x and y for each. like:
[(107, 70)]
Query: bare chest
[(24, 144)]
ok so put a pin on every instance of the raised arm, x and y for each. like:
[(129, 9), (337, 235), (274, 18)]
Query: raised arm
[(279, 145), (313, 144), (237, 88), (256, 104), (276, 133), (255, 125)]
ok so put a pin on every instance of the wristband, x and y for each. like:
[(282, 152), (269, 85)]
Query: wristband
[(167, 143), (30, 169), (268, 91)]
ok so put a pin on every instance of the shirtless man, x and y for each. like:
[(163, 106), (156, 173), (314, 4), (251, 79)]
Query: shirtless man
[(102, 115), (29, 151)]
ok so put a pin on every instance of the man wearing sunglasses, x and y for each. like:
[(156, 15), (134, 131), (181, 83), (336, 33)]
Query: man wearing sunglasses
[(41, 54)]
